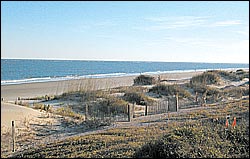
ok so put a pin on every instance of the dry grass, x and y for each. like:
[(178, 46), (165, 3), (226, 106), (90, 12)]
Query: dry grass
[(132, 141)]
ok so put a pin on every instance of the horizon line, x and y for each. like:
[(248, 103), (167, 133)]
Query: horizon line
[(115, 60)]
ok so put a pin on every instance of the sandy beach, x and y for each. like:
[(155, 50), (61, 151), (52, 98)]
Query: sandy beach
[(11, 92), (19, 113), (31, 125)]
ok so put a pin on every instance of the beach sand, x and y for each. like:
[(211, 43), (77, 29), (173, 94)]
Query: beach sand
[(36, 120), (12, 92), (20, 113), (17, 113)]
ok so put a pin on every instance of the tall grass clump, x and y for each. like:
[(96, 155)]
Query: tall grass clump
[(205, 78), (169, 90), (144, 80), (196, 140), (138, 98), (228, 75), (242, 74), (232, 76), (67, 111), (235, 92), (111, 106)]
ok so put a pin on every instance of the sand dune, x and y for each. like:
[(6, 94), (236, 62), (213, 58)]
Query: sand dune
[(11, 92), (18, 113)]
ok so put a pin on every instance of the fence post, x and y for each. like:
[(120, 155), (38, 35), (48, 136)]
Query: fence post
[(128, 112), (168, 104), (167, 107), (133, 110), (177, 104), (16, 102), (86, 111), (204, 99), (13, 136), (196, 96), (146, 109)]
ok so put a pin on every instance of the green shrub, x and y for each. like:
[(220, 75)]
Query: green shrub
[(233, 76), (205, 78), (208, 140), (138, 98), (199, 88), (234, 92), (227, 75), (244, 75), (240, 71), (245, 91), (39, 106), (111, 106), (169, 90), (144, 80), (67, 111)]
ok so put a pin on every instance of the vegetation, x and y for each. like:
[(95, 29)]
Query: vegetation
[(232, 76), (169, 90), (111, 106), (67, 111), (144, 80), (206, 140), (199, 88), (200, 133), (138, 98), (205, 78), (233, 92), (47, 108)]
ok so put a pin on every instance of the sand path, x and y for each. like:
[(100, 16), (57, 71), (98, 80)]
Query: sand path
[(17, 113)]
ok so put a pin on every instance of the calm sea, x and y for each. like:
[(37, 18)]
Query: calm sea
[(16, 71)]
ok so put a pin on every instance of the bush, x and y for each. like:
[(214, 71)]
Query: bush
[(234, 92), (245, 91), (240, 71), (233, 76), (67, 111), (39, 106), (170, 90), (144, 80), (200, 141), (205, 78), (227, 75), (199, 88), (138, 98), (112, 106)]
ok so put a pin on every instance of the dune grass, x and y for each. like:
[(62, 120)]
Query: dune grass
[(204, 130)]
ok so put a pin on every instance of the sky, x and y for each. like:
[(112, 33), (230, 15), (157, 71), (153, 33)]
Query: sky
[(169, 31)]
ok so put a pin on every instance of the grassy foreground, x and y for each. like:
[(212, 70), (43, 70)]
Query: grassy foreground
[(200, 133)]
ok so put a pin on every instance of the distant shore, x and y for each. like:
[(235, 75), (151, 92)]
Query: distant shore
[(12, 92)]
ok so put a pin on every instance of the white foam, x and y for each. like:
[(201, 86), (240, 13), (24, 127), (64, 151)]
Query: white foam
[(108, 75)]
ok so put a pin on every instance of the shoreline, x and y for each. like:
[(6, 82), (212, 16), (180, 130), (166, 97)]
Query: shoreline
[(36, 121), (98, 76), (37, 89), (26, 90)]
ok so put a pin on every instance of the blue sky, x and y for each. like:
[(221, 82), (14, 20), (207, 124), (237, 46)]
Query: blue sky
[(168, 31)]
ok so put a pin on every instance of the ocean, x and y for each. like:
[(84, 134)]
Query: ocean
[(17, 71)]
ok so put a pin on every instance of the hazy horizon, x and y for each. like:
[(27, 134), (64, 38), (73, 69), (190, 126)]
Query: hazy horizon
[(113, 60)]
